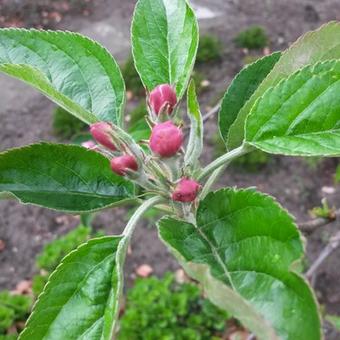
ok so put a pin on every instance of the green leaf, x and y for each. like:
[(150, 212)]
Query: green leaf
[(75, 72), (241, 248), (80, 298), (62, 177), (164, 42), (320, 45), (300, 115), (195, 144), (241, 89)]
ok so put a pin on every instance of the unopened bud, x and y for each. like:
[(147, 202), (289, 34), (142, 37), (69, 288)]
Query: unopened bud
[(162, 98), (122, 164), (90, 144), (102, 133), (186, 190), (166, 139)]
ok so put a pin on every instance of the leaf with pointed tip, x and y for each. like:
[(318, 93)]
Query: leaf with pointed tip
[(73, 71), (164, 42), (241, 89), (320, 45), (62, 177), (80, 299), (195, 143), (242, 248), (301, 115)]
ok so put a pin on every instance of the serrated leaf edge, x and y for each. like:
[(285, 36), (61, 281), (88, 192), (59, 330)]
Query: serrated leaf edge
[(229, 89), (303, 37), (185, 85), (51, 277), (100, 47), (291, 270), (271, 88), (28, 146)]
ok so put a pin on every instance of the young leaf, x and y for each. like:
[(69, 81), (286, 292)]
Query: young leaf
[(241, 249), (319, 45), (241, 89), (62, 177), (164, 42), (79, 300), (75, 72), (301, 115), (195, 144)]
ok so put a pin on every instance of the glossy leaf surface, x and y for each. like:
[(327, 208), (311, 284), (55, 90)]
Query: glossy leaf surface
[(242, 248), (241, 89), (164, 42), (73, 71), (301, 115), (62, 177), (313, 47), (79, 299)]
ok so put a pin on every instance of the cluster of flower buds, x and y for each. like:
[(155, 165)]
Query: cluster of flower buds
[(102, 132), (166, 138), (166, 141)]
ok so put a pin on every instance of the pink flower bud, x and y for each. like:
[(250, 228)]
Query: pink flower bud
[(166, 139), (163, 97), (121, 164), (186, 190), (101, 132), (90, 144)]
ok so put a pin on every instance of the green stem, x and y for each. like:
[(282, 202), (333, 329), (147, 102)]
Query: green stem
[(130, 227), (122, 250), (211, 180), (164, 208), (172, 165), (144, 182), (224, 159)]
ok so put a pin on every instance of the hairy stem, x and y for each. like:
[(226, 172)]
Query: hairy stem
[(130, 227), (123, 246), (165, 208), (223, 160), (310, 226), (211, 180)]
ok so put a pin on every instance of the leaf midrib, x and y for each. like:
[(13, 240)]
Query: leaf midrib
[(217, 256), (168, 44), (293, 122), (75, 292), (215, 251), (68, 56), (301, 135), (63, 193)]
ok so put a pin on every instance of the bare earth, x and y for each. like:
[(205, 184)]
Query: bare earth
[(25, 117)]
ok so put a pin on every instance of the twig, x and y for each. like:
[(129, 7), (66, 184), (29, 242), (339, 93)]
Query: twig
[(310, 226), (210, 113), (213, 111), (334, 243)]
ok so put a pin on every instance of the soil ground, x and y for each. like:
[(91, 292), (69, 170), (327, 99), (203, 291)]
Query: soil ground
[(298, 185)]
